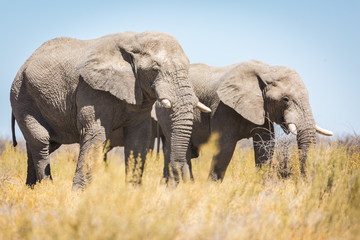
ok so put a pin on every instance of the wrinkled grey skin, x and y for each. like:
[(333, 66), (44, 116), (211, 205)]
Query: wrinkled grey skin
[(246, 99), (88, 92)]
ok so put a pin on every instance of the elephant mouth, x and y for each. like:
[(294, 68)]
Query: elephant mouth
[(289, 128), (284, 128)]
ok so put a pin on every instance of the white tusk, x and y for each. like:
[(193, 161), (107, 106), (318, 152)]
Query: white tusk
[(323, 131), (203, 108), (166, 103), (292, 128)]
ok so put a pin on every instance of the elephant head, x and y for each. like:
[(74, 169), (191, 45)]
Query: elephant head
[(140, 69), (257, 91)]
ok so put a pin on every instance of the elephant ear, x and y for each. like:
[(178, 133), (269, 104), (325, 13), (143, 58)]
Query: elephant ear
[(241, 89), (111, 69)]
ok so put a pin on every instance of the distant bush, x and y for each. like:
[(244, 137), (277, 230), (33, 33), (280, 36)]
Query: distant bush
[(5, 141), (2, 144)]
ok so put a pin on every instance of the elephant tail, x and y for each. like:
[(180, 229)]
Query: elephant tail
[(13, 129), (158, 139)]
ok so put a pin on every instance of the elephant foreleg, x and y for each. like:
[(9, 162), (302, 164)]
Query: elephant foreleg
[(221, 161), (166, 169), (91, 153)]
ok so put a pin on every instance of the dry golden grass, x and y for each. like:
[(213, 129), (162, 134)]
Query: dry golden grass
[(249, 204)]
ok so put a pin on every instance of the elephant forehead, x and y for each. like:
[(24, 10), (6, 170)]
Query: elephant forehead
[(167, 51), (156, 40), (172, 63), (161, 56), (292, 86), (287, 77)]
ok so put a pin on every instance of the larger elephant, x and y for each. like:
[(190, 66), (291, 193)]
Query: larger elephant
[(85, 91), (246, 100)]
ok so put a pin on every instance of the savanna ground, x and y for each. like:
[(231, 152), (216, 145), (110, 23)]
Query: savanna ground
[(249, 204)]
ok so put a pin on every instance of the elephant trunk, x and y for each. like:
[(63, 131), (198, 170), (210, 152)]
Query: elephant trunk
[(181, 128), (305, 138), (175, 93)]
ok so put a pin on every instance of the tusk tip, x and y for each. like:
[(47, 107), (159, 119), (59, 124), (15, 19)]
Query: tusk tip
[(323, 131), (203, 107)]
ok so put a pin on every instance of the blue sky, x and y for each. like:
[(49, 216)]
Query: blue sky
[(319, 39)]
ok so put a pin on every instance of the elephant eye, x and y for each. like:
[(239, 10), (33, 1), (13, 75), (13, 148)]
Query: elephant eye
[(156, 66), (285, 99)]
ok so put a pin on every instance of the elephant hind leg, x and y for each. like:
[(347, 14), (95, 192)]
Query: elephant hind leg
[(37, 145), (31, 173), (31, 178), (40, 163)]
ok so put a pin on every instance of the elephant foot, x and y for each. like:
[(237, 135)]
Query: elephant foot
[(134, 183), (164, 181), (169, 182), (133, 178), (31, 181), (215, 177), (77, 187), (31, 185), (80, 181)]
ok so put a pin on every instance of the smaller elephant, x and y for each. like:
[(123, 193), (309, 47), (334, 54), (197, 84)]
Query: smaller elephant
[(246, 100)]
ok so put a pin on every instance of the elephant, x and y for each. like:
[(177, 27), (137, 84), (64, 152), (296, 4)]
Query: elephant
[(97, 92), (246, 100)]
